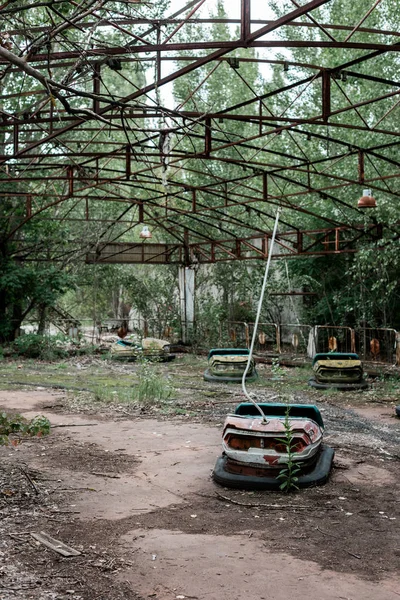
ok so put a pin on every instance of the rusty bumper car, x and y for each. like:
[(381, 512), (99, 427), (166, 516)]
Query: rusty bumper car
[(149, 348), (227, 365), (339, 370), (254, 452)]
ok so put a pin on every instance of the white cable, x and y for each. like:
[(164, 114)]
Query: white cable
[(260, 302)]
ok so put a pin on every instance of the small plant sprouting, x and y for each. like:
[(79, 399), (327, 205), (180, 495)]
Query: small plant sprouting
[(289, 474), (276, 369), (16, 427), (152, 387)]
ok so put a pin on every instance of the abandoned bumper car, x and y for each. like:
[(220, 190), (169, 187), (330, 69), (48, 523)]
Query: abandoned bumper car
[(227, 365), (339, 370), (149, 348), (255, 447)]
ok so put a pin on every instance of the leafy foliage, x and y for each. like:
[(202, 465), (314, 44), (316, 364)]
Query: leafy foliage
[(42, 347), (289, 474), (152, 387), (13, 427)]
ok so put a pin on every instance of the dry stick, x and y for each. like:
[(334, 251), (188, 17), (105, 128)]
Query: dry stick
[(105, 475), (75, 425), (55, 545), (32, 483), (251, 505), (326, 533)]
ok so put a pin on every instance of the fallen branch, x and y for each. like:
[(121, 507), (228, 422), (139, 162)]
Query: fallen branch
[(252, 505), (31, 482), (54, 544), (75, 425), (105, 475), (326, 533)]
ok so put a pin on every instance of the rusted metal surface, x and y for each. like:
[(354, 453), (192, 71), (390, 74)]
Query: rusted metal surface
[(56, 160), (259, 443)]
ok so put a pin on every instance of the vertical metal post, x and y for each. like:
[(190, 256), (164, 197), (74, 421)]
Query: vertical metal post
[(299, 242), (29, 206), (245, 20), (265, 186), (186, 294), (70, 176), (16, 137), (326, 95), (96, 86), (207, 137), (128, 162), (158, 55), (361, 172)]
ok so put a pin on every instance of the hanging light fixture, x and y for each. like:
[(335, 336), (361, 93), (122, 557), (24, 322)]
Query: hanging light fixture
[(367, 200), (145, 233)]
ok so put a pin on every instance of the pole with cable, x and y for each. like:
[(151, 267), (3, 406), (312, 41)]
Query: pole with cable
[(260, 302)]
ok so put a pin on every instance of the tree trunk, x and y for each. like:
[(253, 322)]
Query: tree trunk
[(42, 310), (17, 318)]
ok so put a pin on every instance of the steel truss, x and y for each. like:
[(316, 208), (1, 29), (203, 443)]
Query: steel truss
[(87, 136)]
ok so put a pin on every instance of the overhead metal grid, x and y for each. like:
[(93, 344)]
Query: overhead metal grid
[(90, 133)]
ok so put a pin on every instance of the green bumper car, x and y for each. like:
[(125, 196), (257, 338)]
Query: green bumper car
[(227, 365), (338, 370), (149, 348)]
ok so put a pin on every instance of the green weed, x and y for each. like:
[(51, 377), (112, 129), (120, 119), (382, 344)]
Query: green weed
[(152, 387), (289, 474), (13, 427)]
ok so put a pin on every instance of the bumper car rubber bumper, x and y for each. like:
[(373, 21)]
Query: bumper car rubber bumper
[(317, 476), (318, 385), (208, 376)]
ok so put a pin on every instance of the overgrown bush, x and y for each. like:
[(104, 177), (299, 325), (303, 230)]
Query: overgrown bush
[(43, 347), (13, 427)]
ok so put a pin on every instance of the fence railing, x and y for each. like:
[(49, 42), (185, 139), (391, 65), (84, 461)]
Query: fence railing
[(377, 344)]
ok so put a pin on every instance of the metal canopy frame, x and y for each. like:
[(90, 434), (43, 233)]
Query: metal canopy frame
[(80, 127)]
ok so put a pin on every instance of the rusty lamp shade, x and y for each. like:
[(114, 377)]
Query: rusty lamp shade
[(367, 200), (145, 233)]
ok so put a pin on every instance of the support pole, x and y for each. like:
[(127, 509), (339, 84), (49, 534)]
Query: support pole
[(186, 297), (326, 95)]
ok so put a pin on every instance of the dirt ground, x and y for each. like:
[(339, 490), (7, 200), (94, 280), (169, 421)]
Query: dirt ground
[(132, 492)]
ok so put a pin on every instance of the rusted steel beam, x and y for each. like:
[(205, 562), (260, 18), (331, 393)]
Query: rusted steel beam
[(361, 171), (16, 138), (326, 95), (128, 171), (245, 20), (207, 137), (173, 21), (265, 185), (225, 46), (96, 86), (70, 178), (28, 212), (362, 20)]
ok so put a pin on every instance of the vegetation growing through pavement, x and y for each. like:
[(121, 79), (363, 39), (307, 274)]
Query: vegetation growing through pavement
[(289, 474)]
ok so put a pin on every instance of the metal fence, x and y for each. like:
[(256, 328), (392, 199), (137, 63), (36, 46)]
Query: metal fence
[(380, 344)]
